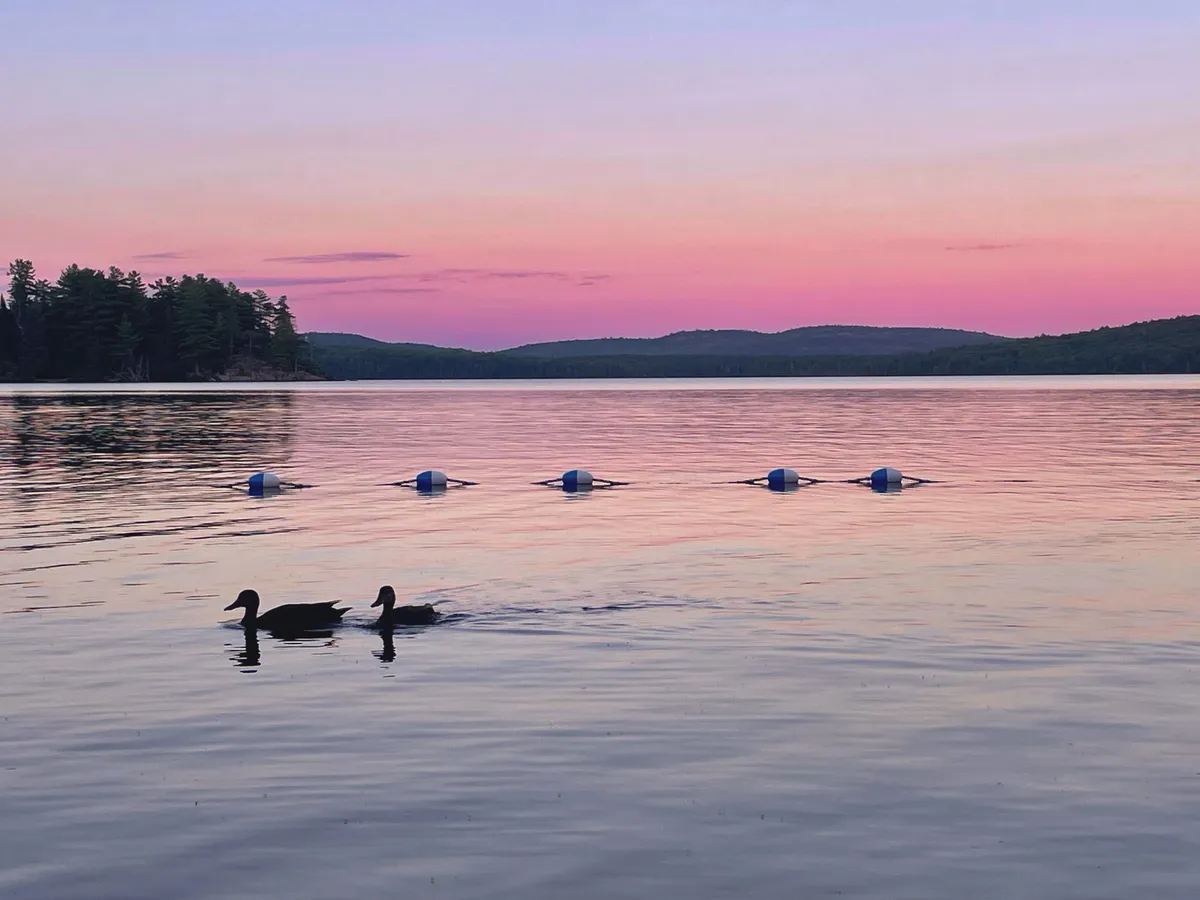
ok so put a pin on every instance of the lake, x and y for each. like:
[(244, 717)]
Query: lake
[(988, 686)]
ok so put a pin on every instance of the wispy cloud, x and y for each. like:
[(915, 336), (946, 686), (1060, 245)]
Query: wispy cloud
[(353, 256), (385, 290), (982, 247), (427, 282), (169, 254), (463, 275), (503, 274), (554, 276), (273, 281)]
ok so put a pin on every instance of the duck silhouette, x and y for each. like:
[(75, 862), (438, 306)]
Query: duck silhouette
[(401, 616), (291, 617)]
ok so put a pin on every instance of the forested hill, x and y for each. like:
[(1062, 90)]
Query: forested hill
[(91, 325), (1160, 346), (811, 340), (344, 339)]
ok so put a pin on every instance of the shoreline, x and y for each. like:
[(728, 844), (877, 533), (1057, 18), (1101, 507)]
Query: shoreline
[(815, 383)]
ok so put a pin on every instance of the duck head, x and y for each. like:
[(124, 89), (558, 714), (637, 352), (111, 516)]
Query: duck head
[(247, 600), (386, 598)]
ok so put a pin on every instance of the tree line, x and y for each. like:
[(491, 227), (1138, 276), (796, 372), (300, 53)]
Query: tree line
[(92, 325)]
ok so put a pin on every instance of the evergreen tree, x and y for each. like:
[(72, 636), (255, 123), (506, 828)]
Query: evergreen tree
[(124, 349), (285, 343), (161, 339), (198, 343), (21, 290), (96, 325), (9, 341)]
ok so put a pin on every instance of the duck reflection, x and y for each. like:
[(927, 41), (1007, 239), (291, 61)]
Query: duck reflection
[(248, 657), (387, 653)]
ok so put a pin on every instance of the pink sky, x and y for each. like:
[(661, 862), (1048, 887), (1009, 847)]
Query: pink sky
[(489, 182)]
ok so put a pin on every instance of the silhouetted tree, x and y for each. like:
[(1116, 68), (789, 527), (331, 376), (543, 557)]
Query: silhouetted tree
[(95, 325), (9, 341), (284, 341)]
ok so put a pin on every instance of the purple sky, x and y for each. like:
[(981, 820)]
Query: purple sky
[(490, 174)]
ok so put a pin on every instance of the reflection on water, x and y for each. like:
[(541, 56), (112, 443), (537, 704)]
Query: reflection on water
[(387, 653), (191, 431), (248, 656), (985, 687), (781, 487)]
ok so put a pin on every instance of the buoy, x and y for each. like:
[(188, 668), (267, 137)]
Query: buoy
[(883, 478), (433, 481), (263, 481), (577, 480), (427, 481), (782, 478), (580, 480)]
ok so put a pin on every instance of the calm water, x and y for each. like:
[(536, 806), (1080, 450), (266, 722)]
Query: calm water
[(986, 687)]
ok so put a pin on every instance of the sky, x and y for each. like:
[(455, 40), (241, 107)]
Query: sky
[(497, 172)]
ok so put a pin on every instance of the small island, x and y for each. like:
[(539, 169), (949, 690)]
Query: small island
[(95, 326)]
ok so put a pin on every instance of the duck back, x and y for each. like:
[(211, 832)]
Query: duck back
[(300, 616), (404, 616)]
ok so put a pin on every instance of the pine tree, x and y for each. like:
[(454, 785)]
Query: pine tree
[(97, 325), (161, 340), (9, 341), (25, 318), (124, 348), (285, 343), (197, 340)]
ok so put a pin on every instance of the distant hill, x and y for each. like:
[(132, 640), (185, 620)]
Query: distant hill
[(1159, 346), (356, 341), (816, 340), (341, 339)]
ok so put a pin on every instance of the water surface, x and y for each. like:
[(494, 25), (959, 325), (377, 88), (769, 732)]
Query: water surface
[(982, 687)]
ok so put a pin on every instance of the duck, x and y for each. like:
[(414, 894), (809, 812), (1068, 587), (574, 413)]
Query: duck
[(289, 617), (402, 616)]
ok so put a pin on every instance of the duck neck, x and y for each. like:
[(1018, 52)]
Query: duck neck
[(250, 616), (385, 617)]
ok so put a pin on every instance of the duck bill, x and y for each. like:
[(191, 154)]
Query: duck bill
[(233, 605), (378, 602)]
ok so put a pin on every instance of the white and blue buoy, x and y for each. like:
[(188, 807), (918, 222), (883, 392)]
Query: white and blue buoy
[(577, 480), (781, 479), (264, 481), (431, 480), (882, 479)]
